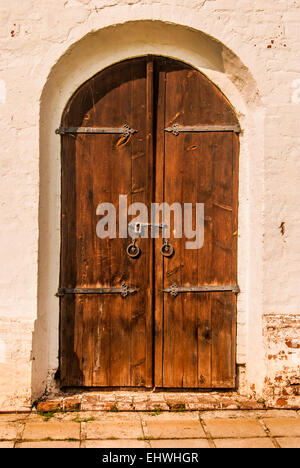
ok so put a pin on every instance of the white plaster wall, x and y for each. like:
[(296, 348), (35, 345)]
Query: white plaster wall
[(44, 58)]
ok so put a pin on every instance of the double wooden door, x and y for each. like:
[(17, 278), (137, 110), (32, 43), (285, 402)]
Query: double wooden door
[(156, 130)]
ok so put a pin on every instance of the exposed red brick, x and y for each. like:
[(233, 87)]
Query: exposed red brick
[(141, 406), (180, 406), (101, 406), (293, 344), (192, 402), (287, 396), (208, 403), (228, 403), (98, 402), (251, 405), (282, 402), (295, 380), (124, 406), (140, 402), (158, 405), (49, 406), (72, 404), (124, 402), (193, 406)]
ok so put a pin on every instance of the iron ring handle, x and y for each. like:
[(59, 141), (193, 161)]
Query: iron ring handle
[(167, 250), (133, 250)]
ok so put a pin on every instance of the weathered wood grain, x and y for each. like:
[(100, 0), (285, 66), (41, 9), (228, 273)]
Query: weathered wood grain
[(150, 338)]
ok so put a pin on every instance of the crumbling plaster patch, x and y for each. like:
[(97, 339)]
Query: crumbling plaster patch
[(282, 342)]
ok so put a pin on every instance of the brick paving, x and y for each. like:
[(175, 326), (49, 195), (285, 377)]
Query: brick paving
[(152, 429)]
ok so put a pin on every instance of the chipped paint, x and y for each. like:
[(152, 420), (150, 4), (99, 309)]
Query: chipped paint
[(282, 341), (294, 344)]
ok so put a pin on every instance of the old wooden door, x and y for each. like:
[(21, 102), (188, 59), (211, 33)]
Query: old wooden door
[(156, 130)]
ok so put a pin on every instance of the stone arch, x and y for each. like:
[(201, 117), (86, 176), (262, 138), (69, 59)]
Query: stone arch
[(91, 54)]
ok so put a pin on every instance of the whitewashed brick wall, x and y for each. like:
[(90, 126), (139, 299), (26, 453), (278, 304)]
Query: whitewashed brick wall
[(265, 36)]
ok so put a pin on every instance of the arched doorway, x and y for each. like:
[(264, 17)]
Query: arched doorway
[(150, 320)]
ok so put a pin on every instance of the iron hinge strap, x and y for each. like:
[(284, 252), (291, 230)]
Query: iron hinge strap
[(126, 131), (174, 290), (124, 291), (176, 129)]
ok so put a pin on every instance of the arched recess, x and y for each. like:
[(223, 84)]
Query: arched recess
[(84, 59)]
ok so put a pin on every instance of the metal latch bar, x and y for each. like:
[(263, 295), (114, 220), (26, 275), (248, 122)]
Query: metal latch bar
[(124, 291), (126, 131), (140, 228), (176, 129), (174, 290)]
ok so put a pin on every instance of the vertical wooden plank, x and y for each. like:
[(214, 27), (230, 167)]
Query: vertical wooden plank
[(120, 109), (203, 323), (204, 340), (205, 177), (181, 186), (68, 211), (160, 84), (235, 228), (88, 306), (223, 312), (172, 308), (70, 343), (113, 330), (149, 198), (223, 343), (140, 305)]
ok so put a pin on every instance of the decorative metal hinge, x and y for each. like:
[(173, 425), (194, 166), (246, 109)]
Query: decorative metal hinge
[(124, 291), (176, 129), (126, 131), (174, 290)]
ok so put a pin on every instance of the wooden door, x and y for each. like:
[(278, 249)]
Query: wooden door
[(197, 162), (106, 339), (122, 325)]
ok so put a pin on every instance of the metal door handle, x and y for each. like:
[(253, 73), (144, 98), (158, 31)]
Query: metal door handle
[(133, 250), (167, 249), (139, 229)]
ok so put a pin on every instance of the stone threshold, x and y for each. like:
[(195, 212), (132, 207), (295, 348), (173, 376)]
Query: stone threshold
[(149, 401)]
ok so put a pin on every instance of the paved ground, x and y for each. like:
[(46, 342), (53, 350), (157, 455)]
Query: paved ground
[(204, 429)]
